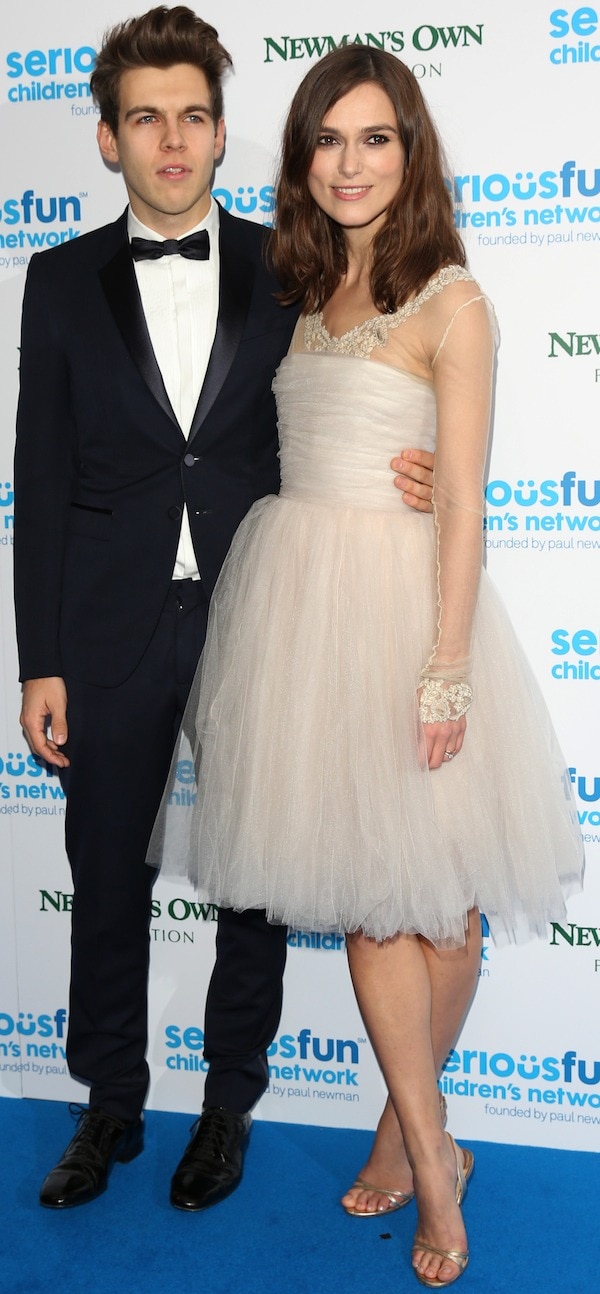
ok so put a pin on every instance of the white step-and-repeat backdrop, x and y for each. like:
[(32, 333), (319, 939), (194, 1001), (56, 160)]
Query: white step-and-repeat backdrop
[(514, 89)]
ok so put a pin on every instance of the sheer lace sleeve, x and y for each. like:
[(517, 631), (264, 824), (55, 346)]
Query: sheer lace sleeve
[(463, 370)]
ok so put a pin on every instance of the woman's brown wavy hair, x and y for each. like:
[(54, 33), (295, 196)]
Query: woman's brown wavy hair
[(308, 249)]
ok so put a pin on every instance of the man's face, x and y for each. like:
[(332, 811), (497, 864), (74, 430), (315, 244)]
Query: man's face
[(166, 145)]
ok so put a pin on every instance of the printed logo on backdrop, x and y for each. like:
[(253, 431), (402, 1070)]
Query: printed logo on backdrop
[(29, 787), (569, 935), (174, 921), (311, 1068), (578, 651), (543, 515), (419, 44), (31, 222), (588, 794), (541, 208), (549, 1089), (33, 1044), (566, 345), (7, 516), (303, 1065), (574, 36), (248, 200), (314, 941), (50, 75)]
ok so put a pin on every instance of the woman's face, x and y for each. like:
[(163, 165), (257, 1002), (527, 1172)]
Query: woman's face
[(359, 161)]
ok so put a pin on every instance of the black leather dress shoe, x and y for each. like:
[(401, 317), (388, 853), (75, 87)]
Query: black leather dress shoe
[(211, 1167), (83, 1171)]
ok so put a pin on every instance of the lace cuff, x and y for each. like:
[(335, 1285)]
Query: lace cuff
[(442, 700)]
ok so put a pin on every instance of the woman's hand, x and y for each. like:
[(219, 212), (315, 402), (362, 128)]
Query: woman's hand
[(443, 741)]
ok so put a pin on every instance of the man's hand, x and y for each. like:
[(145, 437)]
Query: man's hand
[(414, 477), (45, 706)]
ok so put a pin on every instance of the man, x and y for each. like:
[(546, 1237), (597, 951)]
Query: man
[(146, 429)]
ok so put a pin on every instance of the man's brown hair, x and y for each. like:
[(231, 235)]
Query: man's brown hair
[(160, 38)]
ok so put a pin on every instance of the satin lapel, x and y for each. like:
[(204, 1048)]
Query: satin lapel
[(236, 278), (122, 293)]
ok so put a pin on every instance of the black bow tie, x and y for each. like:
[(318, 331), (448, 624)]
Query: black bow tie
[(196, 247)]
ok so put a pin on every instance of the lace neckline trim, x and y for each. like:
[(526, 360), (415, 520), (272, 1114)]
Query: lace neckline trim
[(372, 333)]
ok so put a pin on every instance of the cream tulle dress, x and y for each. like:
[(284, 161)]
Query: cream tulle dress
[(335, 601)]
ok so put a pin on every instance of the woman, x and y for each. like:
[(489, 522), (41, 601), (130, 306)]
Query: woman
[(349, 635)]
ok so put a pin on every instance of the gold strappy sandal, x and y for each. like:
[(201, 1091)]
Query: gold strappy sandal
[(455, 1255), (463, 1169), (397, 1199), (458, 1256)]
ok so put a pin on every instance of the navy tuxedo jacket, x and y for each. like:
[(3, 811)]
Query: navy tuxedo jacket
[(102, 467)]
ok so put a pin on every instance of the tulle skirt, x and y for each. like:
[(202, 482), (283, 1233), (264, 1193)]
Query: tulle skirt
[(312, 798)]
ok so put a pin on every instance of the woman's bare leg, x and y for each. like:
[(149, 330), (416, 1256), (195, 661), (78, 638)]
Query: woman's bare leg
[(393, 985), (453, 977)]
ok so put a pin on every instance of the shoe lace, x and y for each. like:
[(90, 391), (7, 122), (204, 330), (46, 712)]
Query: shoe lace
[(92, 1126), (215, 1130)]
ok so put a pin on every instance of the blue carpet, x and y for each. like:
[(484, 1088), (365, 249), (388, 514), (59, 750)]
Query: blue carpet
[(531, 1214)]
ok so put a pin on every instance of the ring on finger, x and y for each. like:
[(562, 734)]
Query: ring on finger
[(449, 754)]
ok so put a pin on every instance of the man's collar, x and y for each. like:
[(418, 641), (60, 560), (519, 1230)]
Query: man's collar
[(136, 229)]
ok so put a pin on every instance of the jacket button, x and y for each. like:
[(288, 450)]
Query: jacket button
[(174, 513), (190, 459)]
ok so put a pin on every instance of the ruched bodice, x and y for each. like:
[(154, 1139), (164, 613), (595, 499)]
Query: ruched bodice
[(341, 419)]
